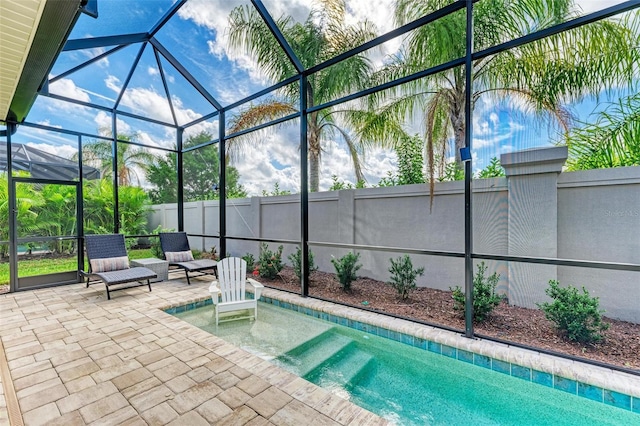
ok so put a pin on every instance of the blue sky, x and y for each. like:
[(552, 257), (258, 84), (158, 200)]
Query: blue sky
[(197, 37)]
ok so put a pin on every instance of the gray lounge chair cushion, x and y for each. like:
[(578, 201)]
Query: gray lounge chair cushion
[(126, 275), (197, 265)]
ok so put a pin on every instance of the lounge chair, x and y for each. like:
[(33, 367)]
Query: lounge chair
[(108, 260), (228, 293), (175, 246)]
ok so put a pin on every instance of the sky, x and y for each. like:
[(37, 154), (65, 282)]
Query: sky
[(197, 36)]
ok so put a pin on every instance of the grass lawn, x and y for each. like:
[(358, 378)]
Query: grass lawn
[(27, 268)]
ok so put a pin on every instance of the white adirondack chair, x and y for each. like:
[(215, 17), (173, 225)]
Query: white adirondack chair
[(228, 293)]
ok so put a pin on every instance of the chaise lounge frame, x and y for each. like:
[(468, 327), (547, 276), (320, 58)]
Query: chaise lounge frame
[(178, 242), (106, 246)]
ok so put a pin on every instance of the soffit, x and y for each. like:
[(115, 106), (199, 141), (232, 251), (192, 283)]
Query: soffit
[(32, 33), (19, 20)]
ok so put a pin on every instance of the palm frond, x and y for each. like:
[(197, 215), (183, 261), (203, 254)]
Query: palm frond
[(611, 140), (251, 117)]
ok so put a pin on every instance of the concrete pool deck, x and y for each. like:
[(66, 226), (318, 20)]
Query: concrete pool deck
[(70, 357)]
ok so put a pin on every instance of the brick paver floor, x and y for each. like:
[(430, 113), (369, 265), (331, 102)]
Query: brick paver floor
[(75, 358)]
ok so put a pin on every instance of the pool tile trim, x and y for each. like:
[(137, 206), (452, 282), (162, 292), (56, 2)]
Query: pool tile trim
[(598, 384)]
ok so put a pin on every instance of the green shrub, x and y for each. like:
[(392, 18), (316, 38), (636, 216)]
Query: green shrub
[(346, 268), (269, 263), (485, 298), (574, 313), (403, 276), (296, 258), (251, 261)]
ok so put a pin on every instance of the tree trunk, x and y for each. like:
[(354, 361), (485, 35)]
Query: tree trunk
[(313, 147), (314, 173), (458, 134), (314, 158), (458, 124)]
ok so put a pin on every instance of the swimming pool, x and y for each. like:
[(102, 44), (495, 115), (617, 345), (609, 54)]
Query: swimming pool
[(404, 384)]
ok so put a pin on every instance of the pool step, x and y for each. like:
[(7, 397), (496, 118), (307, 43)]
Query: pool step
[(313, 353), (344, 369)]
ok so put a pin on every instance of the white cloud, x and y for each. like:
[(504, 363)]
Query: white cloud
[(54, 141), (154, 138), (67, 87), (64, 151), (153, 71), (506, 148), (92, 53), (48, 123), (258, 172), (112, 82), (380, 13), (493, 117), (210, 127), (147, 102), (213, 14), (103, 121), (277, 159)]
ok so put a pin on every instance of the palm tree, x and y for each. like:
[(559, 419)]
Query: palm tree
[(130, 158), (322, 36), (542, 77), (611, 139)]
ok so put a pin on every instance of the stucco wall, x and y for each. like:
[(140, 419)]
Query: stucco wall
[(536, 211)]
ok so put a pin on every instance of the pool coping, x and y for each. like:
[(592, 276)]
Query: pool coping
[(600, 384)]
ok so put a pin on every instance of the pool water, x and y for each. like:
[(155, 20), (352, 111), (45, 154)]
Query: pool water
[(405, 385)]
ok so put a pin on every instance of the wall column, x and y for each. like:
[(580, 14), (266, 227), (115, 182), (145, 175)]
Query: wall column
[(532, 178), (347, 217)]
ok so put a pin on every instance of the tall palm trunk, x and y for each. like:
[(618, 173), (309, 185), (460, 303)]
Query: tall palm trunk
[(313, 132), (456, 111), (314, 153)]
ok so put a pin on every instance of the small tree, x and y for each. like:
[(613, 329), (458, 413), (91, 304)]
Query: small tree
[(339, 185), (276, 191), (269, 263), (493, 169), (485, 298), (403, 276), (296, 262), (346, 268), (410, 161), (574, 313)]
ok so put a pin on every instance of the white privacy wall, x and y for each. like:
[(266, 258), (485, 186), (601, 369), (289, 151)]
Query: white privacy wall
[(535, 211)]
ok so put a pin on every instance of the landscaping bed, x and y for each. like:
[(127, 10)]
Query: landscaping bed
[(620, 346)]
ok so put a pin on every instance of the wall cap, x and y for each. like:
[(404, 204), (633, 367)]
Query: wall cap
[(534, 161)]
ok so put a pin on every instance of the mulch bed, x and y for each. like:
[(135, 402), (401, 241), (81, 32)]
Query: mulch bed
[(620, 346)]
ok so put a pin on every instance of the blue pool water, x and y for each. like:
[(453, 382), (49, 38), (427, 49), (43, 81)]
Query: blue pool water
[(403, 384)]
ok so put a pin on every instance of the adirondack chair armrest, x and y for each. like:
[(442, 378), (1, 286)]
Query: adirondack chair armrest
[(214, 290), (257, 288)]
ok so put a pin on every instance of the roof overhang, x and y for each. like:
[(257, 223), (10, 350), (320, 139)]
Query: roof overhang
[(32, 34)]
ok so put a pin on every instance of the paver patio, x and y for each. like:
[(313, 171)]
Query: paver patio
[(72, 358)]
